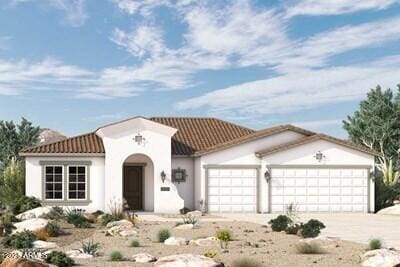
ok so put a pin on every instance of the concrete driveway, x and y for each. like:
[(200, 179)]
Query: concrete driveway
[(347, 226)]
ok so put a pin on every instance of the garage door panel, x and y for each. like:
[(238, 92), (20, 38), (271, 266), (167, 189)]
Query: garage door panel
[(320, 190), (232, 190)]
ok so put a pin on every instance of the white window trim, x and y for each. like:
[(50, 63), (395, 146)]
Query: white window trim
[(86, 183), (62, 184)]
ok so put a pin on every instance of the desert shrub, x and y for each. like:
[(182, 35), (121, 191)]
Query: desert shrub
[(106, 218), (42, 235), (12, 181), (246, 262), (90, 247), (135, 243), (20, 240), (53, 229), (184, 210), (385, 194), (312, 228), (116, 209), (56, 213), (76, 218), (224, 236), (280, 223), (132, 217), (292, 229), (309, 248), (210, 254), (190, 219), (163, 234), (6, 223), (59, 259), (375, 244), (116, 256), (25, 203)]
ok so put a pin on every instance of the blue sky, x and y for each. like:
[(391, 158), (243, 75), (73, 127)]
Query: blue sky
[(73, 65)]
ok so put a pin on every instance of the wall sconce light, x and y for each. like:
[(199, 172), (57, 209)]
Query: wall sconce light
[(163, 176), (319, 156), (267, 175), (139, 139)]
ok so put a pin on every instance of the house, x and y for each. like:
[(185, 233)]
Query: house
[(164, 164)]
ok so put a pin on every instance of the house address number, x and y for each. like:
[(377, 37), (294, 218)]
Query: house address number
[(164, 188)]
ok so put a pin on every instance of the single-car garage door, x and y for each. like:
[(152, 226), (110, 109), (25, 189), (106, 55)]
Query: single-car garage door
[(320, 189), (232, 190)]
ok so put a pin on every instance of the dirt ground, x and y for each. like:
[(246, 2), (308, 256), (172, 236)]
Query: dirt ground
[(272, 249)]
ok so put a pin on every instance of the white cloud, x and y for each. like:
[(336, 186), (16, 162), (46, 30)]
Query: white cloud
[(335, 7), (317, 124), (144, 7), (298, 91)]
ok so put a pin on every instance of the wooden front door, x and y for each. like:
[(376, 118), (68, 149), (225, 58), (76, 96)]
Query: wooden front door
[(133, 187)]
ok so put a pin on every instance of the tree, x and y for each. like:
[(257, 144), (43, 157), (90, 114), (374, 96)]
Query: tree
[(376, 125), (12, 182), (13, 138)]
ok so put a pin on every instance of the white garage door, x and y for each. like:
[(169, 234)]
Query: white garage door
[(320, 190), (232, 190)]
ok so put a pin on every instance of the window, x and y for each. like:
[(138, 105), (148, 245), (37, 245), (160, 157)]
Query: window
[(76, 182), (54, 182)]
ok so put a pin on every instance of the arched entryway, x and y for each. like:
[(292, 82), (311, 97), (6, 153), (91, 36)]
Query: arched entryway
[(138, 183)]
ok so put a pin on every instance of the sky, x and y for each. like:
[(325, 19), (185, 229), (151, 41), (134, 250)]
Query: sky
[(74, 65)]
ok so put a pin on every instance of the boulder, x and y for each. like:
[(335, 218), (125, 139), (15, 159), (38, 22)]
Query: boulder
[(195, 213), (143, 258), (184, 227), (8, 262), (44, 245), (183, 260), (326, 243), (204, 242), (176, 241), (121, 230), (33, 213), (127, 233), (381, 258), (78, 254), (34, 225), (393, 210), (121, 223)]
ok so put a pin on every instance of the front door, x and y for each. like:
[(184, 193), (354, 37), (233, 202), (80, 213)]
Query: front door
[(133, 187)]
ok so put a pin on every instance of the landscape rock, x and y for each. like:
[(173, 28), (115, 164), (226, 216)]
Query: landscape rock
[(195, 213), (381, 258), (8, 262), (204, 242), (127, 233), (392, 210), (324, 242), (176, 241), (183, 260), (121, 230), (33, 213), (143, 258), (184, 226), (121, 223), (78, 254), (44, 245), (33, 225)]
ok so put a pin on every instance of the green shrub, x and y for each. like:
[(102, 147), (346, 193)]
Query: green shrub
[(116, 256), (106, 218), (76, 218), (25, 203), (53, 229), (224, 236), (20, 240), (375, 244), (293, 229), (12, 181), (280, 223), (312, 228), (245, 262), (135, 243), (163, 234), (90, 247), (59, 259), (385, 194), (56, 213), (309, 248)]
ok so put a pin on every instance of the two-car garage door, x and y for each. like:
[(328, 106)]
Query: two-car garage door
[(320, 189)]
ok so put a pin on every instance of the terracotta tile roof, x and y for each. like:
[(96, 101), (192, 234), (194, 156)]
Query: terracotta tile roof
[(199, 134), (87, 144), (194, 134), (313, 138)]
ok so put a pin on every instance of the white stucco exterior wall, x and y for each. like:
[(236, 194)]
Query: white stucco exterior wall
[(186, 189), (34, 182), (242, 154)]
